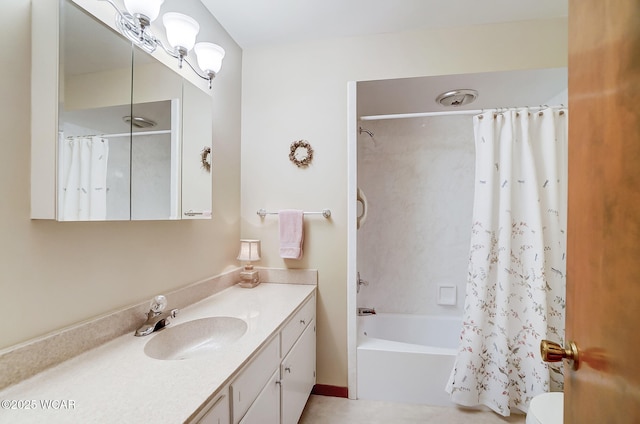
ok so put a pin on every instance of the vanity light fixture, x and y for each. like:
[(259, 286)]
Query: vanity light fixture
[(181, 32), (249, 252), (209, 58)]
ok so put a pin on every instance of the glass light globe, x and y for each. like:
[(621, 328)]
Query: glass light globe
[(148, 8), (181, 30), (209, 56)]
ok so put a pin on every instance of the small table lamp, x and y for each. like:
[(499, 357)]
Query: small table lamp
[(249, 252)]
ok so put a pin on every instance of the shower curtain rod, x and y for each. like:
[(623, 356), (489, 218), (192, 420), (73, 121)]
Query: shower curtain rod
[(446, 113), (126, 134)]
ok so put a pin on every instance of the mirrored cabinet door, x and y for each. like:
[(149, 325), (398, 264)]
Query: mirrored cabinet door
[(129, 163), (93, 139), (197, 153), (156, 110)]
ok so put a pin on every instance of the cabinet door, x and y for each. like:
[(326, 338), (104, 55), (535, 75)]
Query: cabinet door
[(197, 135), (264, 409), (298, 375), (219, 412), (248, 385)]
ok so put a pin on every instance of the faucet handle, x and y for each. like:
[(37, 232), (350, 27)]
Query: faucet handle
[(174, 312), (158, 303)]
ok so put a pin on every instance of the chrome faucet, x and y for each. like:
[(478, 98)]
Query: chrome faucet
[(156, 319)]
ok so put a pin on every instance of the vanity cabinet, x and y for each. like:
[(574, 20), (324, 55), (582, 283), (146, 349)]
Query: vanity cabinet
[(274, 387), (196, 390)]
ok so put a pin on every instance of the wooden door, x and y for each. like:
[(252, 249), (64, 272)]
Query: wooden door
[(603, 268)]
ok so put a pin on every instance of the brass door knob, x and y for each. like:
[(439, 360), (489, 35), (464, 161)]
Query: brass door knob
[(553, 352)]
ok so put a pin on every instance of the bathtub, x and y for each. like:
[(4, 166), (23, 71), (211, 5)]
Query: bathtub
[(406, 358)]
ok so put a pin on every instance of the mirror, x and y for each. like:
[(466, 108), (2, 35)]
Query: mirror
[(126, 121), (155, 141)]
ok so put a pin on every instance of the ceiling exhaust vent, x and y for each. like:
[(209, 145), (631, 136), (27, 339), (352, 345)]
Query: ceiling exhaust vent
[(457, 98), (139, 121)]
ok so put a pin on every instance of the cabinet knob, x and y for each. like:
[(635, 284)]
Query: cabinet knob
[(303, 322), (288, 369)]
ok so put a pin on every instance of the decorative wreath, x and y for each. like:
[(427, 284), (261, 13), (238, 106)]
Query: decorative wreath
[(301, 153), (205, 158)]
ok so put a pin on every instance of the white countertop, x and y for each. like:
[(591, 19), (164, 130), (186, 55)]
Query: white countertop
[(118, 383)]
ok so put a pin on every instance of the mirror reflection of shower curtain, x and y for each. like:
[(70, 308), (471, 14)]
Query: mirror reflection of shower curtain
[(516, 275), (83, 178)]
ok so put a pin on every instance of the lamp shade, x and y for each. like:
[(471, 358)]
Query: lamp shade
[(209, 56), (148, 8), (249, 250), (181, 30)]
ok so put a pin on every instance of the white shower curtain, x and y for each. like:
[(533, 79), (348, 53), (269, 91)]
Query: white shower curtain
[(83, 178), (516, 281)]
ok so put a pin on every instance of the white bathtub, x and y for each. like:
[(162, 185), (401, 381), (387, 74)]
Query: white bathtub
[(406, 358)]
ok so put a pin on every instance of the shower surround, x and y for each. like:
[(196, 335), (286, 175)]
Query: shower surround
[(418, 177)]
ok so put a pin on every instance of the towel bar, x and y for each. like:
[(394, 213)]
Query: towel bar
[(325, 212)]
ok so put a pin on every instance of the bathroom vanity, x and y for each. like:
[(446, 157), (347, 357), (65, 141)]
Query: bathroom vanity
[(274, 386), (265, 376)]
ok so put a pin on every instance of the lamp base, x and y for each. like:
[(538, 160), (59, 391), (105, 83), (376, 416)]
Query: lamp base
[(249, 279)]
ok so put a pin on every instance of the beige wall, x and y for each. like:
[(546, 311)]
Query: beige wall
[(56, 274), (299, 91)]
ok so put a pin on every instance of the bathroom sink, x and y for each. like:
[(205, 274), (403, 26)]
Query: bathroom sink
[(195, 339)]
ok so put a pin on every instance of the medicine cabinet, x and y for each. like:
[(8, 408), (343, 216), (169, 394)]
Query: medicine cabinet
[(116, 133)]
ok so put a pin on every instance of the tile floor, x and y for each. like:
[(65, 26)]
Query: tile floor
[(332, 410)]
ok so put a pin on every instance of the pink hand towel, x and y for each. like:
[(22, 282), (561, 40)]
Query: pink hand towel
[(291, 233)]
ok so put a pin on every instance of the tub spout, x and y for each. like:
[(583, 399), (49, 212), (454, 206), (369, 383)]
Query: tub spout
[(366, 311)]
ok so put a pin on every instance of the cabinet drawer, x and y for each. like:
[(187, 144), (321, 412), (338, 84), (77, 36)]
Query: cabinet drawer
[(297, 324), (253, 378)]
